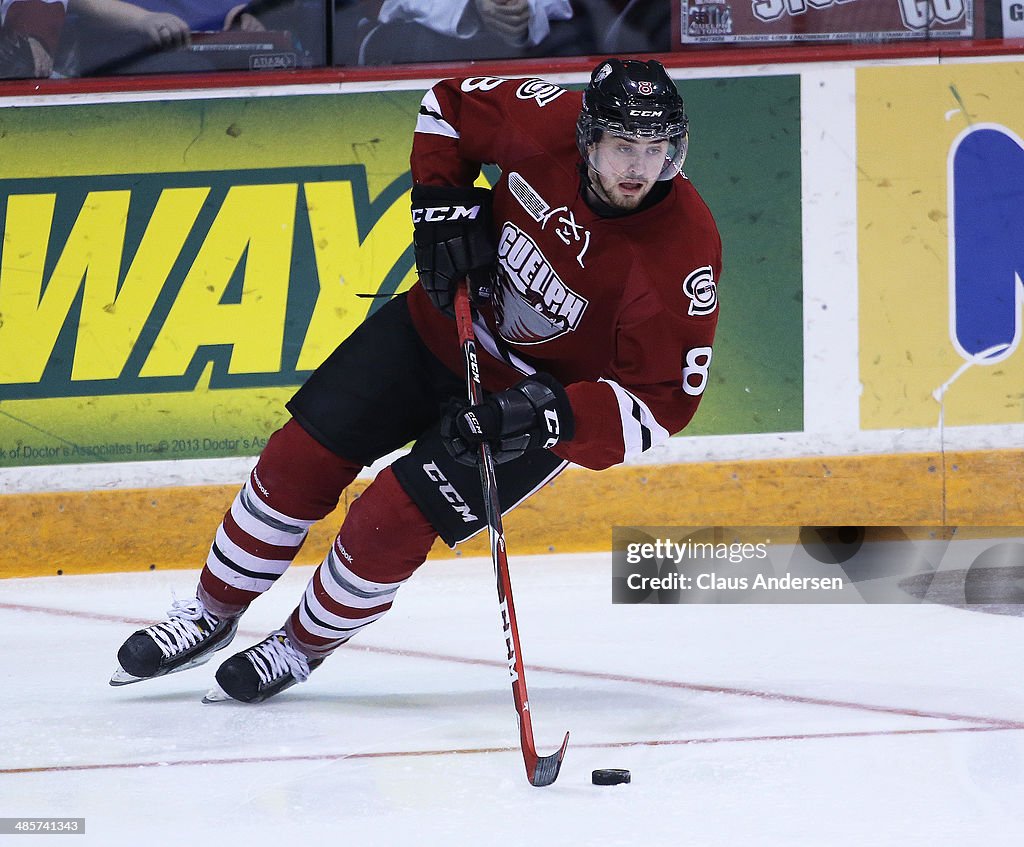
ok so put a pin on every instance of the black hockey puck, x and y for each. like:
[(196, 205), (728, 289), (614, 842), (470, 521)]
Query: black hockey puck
[(609, 776)]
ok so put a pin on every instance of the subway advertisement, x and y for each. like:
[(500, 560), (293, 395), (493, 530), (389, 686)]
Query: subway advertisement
[(172, 270)]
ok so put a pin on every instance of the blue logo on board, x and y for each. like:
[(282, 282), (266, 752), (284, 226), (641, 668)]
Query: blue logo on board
[(986, 204)]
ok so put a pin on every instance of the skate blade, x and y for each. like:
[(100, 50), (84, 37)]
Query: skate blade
[(216, 695), (122, 677)]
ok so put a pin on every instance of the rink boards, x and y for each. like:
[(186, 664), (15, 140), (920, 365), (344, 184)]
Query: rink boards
[(161, 299)]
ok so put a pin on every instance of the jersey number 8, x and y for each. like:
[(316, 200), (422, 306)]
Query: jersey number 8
[(695, 371)]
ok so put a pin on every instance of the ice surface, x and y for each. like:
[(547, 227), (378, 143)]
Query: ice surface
[(742, 725)]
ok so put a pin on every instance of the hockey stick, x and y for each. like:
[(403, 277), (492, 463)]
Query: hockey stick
[(540, 770)]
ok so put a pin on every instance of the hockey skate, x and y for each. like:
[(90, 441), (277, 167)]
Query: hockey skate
[(187, 638), (262, 671)]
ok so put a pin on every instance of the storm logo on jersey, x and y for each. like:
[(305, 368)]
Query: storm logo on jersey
[(531, 302), (700, 287)]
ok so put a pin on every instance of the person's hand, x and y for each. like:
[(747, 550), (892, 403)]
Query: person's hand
[(242, 20), (509, 19), (18, 56), (533, 414), (41, 59), (168, 31), (453, 240)]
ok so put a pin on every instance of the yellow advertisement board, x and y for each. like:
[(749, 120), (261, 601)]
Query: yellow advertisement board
[(176, 279), (940, 229)]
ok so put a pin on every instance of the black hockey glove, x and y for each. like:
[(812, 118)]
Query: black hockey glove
[(535, 413), (453, 239)]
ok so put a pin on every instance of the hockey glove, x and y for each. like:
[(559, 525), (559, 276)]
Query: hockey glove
[(533, 414), (453, 239)]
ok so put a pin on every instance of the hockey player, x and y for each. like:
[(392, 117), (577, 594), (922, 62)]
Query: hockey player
[(593, 265)]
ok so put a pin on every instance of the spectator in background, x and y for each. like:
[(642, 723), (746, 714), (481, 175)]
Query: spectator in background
[(640, 26), (165, 23), (369, 33), (516, 22), (114, 36), (29, 34)]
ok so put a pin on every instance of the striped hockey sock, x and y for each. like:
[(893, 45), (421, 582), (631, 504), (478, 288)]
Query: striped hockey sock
[(296, 482), (254, 545), (383, 540), (337, 604)]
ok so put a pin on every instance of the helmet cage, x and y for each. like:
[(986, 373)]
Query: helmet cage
[(589, 132)]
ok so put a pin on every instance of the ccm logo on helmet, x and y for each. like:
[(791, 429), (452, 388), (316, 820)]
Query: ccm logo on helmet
[(646, 113), (440, 214)]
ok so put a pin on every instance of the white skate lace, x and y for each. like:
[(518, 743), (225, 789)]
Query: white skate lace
[(181, 630), (275, 656)]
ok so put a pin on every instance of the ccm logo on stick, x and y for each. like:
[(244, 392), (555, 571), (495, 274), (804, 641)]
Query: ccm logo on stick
[(441, 214)]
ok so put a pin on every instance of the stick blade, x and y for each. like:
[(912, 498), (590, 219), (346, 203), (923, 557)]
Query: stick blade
[(545, 769)]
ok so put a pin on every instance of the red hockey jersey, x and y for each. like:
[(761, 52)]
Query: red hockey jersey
[(621, 310)]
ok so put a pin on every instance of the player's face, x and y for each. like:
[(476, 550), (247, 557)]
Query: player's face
[(623, 170)]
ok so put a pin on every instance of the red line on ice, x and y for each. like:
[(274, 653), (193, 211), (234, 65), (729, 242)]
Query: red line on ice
[(779, 697), (398, 754)]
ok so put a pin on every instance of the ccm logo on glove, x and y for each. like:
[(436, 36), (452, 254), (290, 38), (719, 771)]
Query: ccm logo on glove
[(440, 214), (453, 239)]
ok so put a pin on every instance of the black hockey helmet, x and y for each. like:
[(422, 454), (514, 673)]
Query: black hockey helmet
[(634, 99)]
